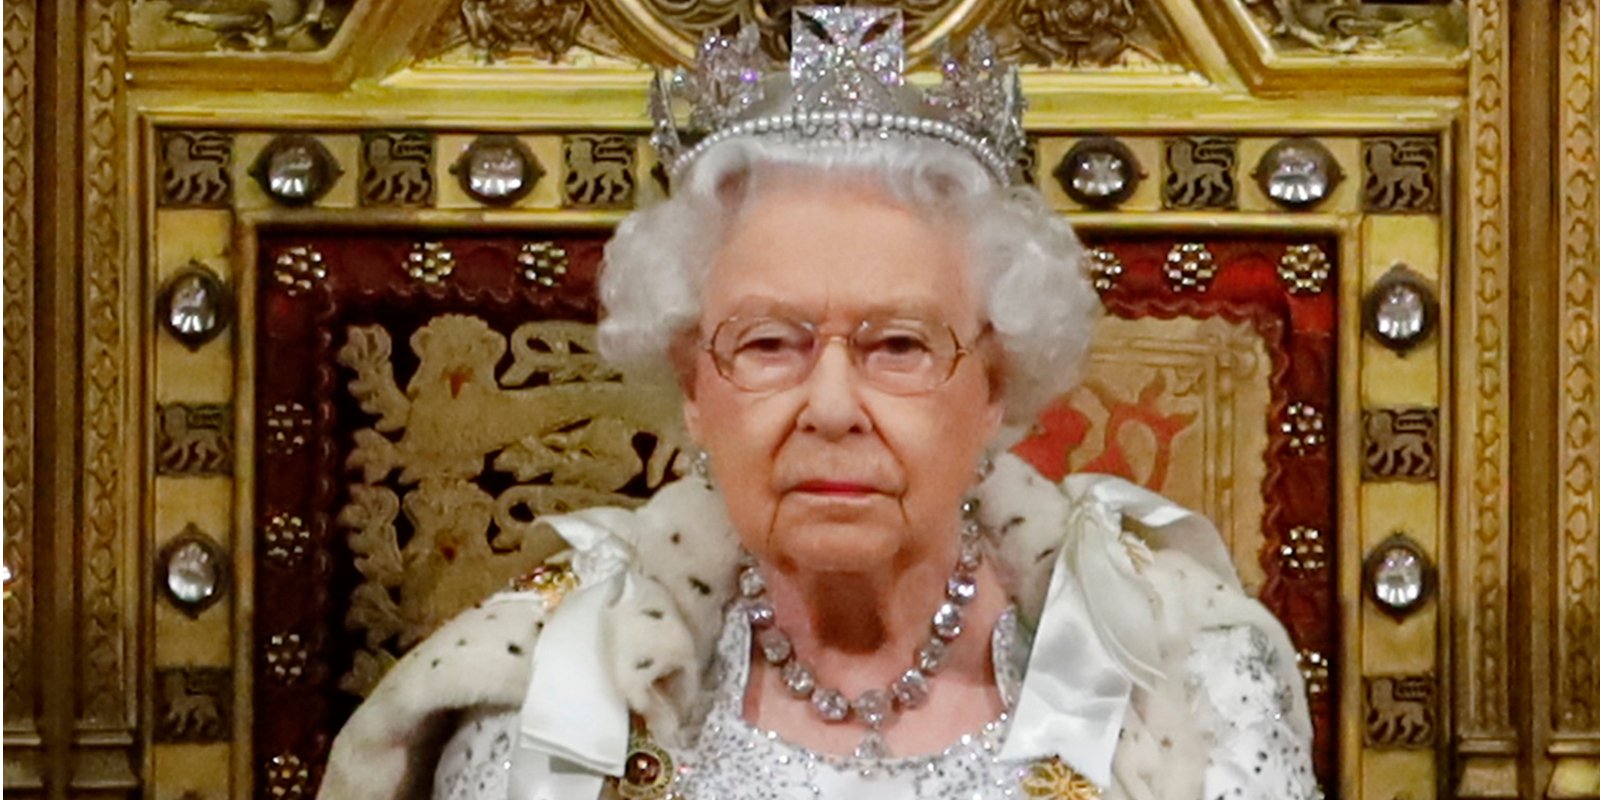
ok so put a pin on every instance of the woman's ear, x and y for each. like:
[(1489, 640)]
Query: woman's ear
[(683, 354)]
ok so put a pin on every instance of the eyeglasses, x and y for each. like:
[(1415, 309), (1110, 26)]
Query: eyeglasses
[(898, 356)]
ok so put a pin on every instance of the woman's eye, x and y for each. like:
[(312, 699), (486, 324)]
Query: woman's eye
[(902, 344)]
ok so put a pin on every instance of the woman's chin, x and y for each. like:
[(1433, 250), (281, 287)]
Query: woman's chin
[(836, 549)]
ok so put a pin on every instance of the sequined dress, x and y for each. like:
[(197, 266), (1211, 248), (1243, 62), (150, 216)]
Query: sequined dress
[(1255, 754)]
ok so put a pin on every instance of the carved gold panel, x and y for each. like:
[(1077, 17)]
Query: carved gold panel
[(118, 437)]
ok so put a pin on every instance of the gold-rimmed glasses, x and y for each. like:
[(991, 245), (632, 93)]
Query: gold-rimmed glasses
[(903, 356)]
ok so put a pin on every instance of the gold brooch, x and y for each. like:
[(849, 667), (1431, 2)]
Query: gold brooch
[(551, 581), (647, 772), (1054, 780)]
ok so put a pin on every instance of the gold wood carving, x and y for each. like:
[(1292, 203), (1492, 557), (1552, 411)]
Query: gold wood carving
[(1345, 26), (105, 680), (670, 30), (188, 25), (19, 266), (1482, 679), (1577, 684), (559, 422), (553, 31), (1095, 33)]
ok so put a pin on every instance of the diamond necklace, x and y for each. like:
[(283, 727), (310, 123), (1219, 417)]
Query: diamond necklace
[(875, 708)]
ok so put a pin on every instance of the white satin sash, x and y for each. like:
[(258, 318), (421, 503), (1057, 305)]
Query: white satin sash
[(573, 731), (1098, 630)]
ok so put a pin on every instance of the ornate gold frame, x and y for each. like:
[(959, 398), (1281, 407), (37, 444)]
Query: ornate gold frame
[(1513, 251)]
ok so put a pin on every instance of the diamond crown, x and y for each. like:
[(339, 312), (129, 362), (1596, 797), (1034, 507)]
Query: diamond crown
[(845, 83)]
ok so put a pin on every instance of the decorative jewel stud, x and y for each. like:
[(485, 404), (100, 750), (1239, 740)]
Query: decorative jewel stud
[(497, 169), (1190, 267), (1297, 173), (194, 306), (1398, 575), (1400, 311), (295, 169), (1099, 172), (1304, 269), (192, 571)]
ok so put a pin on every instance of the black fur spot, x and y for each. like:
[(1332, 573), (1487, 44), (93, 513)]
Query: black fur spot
[(677, 538), (645, 663), (700, 586), (654, 613), (461, 643), (514, 649), (435, 663), (1010, 524), (1044, 555)]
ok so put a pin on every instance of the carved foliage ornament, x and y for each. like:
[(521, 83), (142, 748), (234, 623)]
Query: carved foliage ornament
[(1346, 26), (251, 25)]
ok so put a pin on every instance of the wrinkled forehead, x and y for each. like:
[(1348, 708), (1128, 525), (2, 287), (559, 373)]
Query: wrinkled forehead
[(839, 250)]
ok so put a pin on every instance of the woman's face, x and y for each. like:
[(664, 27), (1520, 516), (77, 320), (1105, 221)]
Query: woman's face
[(834, 475)]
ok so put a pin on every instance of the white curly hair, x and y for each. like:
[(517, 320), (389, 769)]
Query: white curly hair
[(1026, 261)]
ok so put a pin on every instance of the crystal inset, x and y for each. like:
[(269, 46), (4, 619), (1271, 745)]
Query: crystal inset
[(874, 707), (1302, 425), (286, 538), (298, 269), (430, 262), (287, 427), (194, 306), (1190, 267), (830, 704), (911, 689), (295, 170), (1398, 575), (760, 612), (872, 747), (1105, 268), (497, 169), (1099, 172), (845, 57), (1298, 173), (947, 621), (193, 571), (751, 583), (931, 656), (961, 589), (1304, 269), (288, 777), (1400, 310), (775, 646), (1303, 551), (798, 679), (1315, 668), (543, 264), (286, 657)]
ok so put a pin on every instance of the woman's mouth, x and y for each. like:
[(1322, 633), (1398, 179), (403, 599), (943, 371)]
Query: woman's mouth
[(834, 488)]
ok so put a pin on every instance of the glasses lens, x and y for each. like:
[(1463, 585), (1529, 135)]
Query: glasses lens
[(901, 355), (763, 353)]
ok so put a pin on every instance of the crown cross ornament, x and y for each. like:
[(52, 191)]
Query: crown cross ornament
[(845, 83)]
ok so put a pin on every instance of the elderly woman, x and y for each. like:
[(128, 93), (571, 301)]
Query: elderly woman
[(854, 594)]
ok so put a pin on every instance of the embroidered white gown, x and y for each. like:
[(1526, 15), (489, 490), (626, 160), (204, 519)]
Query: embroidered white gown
[(1255, 754)]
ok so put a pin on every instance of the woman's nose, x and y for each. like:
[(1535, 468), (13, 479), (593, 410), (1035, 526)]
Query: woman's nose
[(833, 405)]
